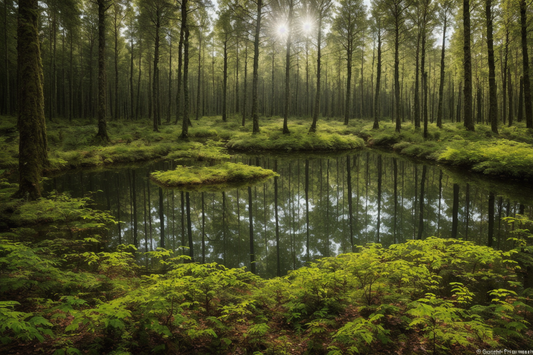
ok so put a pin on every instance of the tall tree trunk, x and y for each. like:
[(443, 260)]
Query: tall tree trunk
[(255, 108), (116, 64), (397, 77), (378, 83), (520, 115), (272, 80), (287, 72), (245, 93), (525, 65), (180, 61), (102, 82), (441, 84), (467, 68), (186, 120), (316, 109), (199, 74), (347, 108), (493, 99), (417, 80), (7, 96), (169, 107), (225, 81), (31, 124), (155, 82), (132, 95)]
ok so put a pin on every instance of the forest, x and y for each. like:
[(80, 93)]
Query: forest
[(266, 177)]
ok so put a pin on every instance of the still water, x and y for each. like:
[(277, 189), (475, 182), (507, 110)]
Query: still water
[(319, 206)]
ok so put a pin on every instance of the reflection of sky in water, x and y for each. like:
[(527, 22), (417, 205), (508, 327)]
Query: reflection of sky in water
[(227, 240)]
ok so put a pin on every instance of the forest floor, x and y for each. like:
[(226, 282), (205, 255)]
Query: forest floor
[(66, 294), (72, 144)]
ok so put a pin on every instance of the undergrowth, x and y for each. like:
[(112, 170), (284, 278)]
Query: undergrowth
[(64, 294)]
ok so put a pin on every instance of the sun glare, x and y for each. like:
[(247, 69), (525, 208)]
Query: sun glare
[(307, 26)]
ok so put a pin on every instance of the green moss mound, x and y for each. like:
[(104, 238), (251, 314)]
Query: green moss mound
[(218, 174)]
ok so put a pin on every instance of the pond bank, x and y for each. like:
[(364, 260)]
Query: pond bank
[(509, 154)]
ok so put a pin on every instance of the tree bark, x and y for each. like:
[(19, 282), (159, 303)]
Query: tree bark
[(102, 82), (467, 68), (441, 84), (493, 99), (255, 83), (33, 157), (525, 65), (378, 83), (316, 109), (287, 72)]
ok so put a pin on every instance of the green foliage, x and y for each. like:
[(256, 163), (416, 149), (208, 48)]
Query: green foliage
[(431, 292), (298, 140), (493, 157), (223, 173)]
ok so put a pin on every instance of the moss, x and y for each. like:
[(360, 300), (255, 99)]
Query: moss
[(223, 173), (272, 138)]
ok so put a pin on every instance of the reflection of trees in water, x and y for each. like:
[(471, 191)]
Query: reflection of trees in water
[(319, 206)]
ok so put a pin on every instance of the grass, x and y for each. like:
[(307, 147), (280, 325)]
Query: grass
[(71, 144), (508, 154), (184, 176)]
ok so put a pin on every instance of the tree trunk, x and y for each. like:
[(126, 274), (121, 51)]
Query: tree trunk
[(467, 62), (525, 65), (316, 109), (493, 99), (225, 81), (397, 77), (180, 61), (287, 72), (102, 97), (441, 84), (169, 107), (199, 73), (245, 93), (33, 157), (186, 123), (155, 82), (255, 114), (378, 83)]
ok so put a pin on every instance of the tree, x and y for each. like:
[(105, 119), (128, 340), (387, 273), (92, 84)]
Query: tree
[(493, 100), (255, 75), (467, 69), (395, 13), (33, 156), (321, 9), (445, 12), (158, 13), (224, 31), (525, 64), (103, 5), (349, 23), (377, 29)]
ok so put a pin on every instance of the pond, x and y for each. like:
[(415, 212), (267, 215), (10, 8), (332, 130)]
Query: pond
[(319, 206)]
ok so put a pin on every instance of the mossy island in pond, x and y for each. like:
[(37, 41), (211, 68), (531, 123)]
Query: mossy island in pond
[(184, 176)]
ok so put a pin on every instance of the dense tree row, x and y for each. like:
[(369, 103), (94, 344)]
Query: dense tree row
[(167, 60)]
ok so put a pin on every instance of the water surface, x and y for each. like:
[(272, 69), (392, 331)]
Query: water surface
[(319, 206)]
